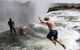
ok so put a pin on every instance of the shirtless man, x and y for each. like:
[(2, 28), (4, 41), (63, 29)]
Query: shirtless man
[(52, 35)]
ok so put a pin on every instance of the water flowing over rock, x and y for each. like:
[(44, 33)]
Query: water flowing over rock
[(35, 38)]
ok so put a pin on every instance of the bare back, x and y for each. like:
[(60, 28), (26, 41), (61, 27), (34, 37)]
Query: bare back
[(50, 24)]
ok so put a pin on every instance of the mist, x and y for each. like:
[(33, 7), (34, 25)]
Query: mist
[(20, 12), (25, 11)]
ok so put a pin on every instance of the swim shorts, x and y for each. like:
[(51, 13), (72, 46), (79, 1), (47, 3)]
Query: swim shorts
[(52, 33)]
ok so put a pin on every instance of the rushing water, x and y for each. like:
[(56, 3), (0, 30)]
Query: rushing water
[(35, 38)]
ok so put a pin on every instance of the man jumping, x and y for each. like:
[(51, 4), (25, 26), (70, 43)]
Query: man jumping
[(52, 35)]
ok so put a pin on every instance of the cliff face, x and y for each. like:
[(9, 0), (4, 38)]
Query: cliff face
[(63, 6)]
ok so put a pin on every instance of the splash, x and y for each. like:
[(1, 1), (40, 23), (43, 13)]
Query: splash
[(35, 37), (67, 35)]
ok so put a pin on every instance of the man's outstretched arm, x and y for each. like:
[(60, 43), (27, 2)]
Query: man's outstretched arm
[(42, 21)]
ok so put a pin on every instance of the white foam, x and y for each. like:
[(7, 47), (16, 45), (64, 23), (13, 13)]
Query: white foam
[(67, 35)]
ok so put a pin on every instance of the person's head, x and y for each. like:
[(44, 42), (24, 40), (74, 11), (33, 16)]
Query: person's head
[(10, 19), (46, 19)]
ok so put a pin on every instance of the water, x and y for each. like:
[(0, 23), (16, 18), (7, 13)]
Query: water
[(17, 11), (35, 37)]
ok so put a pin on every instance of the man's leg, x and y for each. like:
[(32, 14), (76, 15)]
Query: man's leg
[(60, 43), (55, 39), (52, 39), (10, 31), (14, 30)]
